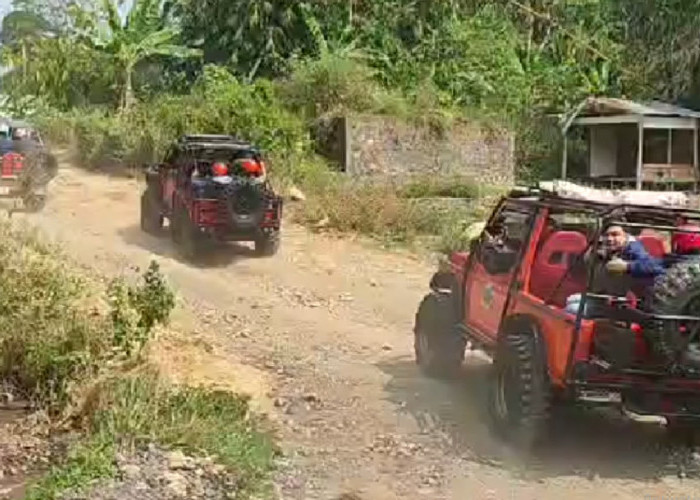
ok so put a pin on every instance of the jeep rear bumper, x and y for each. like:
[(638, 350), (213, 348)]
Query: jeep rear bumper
[(237, 234), (10, 187)]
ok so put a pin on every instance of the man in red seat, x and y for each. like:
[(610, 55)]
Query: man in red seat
[(625, 266), (626, 255)]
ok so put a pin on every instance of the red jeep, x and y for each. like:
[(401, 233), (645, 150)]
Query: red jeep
[(212, 188), (507, 296), (26, 165)]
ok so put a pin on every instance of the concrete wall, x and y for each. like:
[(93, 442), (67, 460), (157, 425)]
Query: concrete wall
[(391, 149)]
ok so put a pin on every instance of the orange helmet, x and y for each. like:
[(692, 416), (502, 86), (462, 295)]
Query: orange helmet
[(252, 167), (219, 169)]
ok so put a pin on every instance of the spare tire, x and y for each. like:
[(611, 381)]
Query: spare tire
[(677, 293)]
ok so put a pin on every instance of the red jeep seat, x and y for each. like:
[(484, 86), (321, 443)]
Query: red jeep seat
[(654, 244), (552, 263)]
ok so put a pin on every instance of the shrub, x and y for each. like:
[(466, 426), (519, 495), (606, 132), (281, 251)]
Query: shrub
[(53, 329), (331, 84)]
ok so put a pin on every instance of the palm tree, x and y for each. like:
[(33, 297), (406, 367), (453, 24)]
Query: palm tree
[(140, 36)]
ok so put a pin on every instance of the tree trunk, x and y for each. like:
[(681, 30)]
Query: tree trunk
[(128, 98), (24, 62)]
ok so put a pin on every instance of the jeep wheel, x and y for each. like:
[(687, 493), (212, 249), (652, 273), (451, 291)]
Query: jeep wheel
[(34, 202), (267, 244), (438, 346), (186, 235), (520, 393), (677, 292), (151, 219)]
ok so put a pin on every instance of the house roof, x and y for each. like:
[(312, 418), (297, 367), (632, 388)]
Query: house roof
[(601, 106), (610, 110)]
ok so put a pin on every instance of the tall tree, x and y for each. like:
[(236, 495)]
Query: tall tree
[(252, 37), (19, 30)]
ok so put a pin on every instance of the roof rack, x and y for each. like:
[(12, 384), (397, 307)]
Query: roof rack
[(605, 209), (221, 145), (212, 138)]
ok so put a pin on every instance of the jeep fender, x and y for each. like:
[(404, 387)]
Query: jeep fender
[(526, 325)]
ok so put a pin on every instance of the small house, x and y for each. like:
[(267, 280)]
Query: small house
[(646, 145)]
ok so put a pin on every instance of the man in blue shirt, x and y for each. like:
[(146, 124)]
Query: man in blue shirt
[(624, 266), (626, 255)]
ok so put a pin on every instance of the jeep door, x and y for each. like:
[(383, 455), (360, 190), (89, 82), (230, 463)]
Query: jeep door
[(494, 264)]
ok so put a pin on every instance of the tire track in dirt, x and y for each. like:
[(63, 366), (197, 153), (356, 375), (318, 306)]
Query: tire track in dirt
[(328, 321)]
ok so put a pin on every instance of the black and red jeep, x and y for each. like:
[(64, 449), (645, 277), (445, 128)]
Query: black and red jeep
[(26, 165), (637, 349), (212, 188)]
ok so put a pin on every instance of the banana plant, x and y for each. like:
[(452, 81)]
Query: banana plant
[(139, 36)]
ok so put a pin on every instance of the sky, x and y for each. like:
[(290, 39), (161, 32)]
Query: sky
[(6, 6)]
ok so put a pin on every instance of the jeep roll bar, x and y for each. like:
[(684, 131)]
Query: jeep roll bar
[(209, 138)]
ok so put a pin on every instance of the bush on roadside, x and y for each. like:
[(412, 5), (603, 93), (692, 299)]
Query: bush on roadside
[(71, 345), (55, 327)]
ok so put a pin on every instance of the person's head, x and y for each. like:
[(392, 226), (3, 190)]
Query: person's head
[(615, 238), (19, 133)]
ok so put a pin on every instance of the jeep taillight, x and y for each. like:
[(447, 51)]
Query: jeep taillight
[(271, 216)]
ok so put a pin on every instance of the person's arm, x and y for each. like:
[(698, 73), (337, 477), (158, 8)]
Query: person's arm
[(640, 264)]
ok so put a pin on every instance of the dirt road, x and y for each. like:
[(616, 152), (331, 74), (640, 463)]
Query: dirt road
[(321, 334)]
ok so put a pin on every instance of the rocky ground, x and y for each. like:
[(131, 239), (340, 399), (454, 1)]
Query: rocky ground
[(157, 474), (321, 336), (25, 449)]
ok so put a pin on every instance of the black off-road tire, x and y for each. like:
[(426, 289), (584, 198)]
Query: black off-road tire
[(267, 244), (189, 241), (673, 292), (34, 202), (520, 392), (439, 347), (151, 218)]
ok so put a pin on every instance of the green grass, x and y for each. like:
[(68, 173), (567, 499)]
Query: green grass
[(130, 411), (87, 461), (142, 409)]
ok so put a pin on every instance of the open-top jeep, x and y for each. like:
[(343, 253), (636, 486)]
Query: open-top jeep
[(212, 188), (510, 296), (26, 165)]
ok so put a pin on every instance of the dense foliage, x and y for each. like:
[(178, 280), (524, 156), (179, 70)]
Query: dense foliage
[(507, 57)]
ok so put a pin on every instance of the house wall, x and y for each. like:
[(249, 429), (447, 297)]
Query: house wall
[(603, 152)]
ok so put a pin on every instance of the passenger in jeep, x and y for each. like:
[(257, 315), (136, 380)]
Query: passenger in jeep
[(624, 266), (626, 255)]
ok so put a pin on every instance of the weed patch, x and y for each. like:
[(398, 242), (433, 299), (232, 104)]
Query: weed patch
[(129, 411)]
